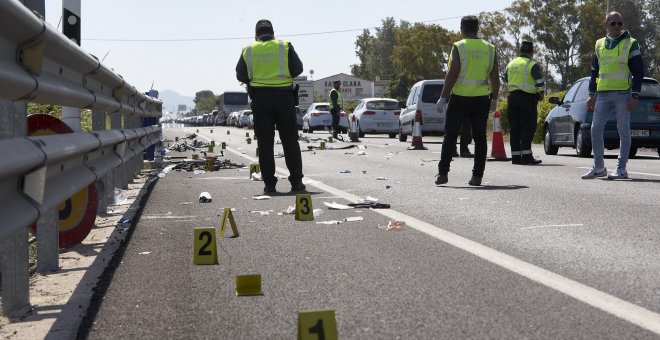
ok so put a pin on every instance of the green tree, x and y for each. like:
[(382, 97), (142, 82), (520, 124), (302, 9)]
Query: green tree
[(651, 51), (421, 52), (375, 51), (490, 29), (205, 101)]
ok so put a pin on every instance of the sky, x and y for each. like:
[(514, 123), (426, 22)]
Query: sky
[(220, 28)]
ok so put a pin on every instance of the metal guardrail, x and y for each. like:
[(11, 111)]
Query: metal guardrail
[(39, 64)]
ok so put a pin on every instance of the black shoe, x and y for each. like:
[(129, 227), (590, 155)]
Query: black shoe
[(516, 159), (475, 181), (529, 160), (269, 189), (441, 179), (466, 154), (455, 153), (298, 187)]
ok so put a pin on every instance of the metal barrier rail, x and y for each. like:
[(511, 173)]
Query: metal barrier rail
[(39, 64)]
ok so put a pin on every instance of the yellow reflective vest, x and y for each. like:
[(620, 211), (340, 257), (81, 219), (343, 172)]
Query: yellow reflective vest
[(613, 74), (268, 63), (340, 99), (519, 75), (477, 58)]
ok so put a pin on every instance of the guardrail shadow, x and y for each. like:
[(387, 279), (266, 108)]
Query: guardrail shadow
[(486, 187)]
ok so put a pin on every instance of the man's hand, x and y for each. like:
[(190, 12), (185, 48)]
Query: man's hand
[(441, 105), (632, 104), (591, 103), (493, 105)]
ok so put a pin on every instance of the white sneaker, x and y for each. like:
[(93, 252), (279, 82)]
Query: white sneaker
[(618, 174), (593, 173)]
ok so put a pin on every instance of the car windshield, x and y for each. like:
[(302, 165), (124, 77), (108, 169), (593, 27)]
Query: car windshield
[(650, 90), (431, 93), (322, 108), (382, 105)]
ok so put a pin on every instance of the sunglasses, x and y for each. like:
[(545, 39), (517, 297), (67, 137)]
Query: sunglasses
[(616, 23)]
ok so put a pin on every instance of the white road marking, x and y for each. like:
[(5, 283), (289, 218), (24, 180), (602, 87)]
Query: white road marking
[(553, 225), (620, 308), (630, 172)]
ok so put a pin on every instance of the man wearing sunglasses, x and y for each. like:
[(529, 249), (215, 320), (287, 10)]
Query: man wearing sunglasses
[(617, 59)]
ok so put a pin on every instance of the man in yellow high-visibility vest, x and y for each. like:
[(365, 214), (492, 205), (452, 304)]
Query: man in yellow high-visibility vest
[(617, 71), (336, 104), (526, 85), (470, 91), (268, 67)]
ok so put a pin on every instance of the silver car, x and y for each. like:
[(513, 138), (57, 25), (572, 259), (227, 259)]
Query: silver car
[(377, 115), (243, 118)]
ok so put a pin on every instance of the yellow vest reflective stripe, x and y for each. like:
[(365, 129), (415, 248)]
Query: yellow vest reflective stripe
[(268, 63), (477, 58), (519, 75), (613, 74), (340, 99)]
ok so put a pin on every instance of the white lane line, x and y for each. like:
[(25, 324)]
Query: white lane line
[(630, 172), (622, 309), (553, 225)]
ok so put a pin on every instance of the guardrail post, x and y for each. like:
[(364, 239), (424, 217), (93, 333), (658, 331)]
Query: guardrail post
[(115, 124), (103, 184), (48, 243), (14, 271)]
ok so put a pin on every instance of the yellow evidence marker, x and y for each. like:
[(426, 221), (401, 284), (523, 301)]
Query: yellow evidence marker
[(322, 146), (223, 146), (204, 248), (304, 209), (247, 285), (254, 167), (317, 325), (223, 225), (247, 134)]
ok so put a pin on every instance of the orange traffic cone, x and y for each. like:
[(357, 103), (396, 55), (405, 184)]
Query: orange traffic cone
[(417, 133), (497, 152), (353, 134)]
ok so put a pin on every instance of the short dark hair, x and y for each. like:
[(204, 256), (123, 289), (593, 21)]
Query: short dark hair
[(470, 24), (527, 47), (264, 27)]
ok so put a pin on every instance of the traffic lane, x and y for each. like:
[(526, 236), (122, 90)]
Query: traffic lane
[(563, 225), (380, 283), (508, 220)]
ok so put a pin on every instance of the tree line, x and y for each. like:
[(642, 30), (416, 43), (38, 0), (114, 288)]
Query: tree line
[(563, 31)]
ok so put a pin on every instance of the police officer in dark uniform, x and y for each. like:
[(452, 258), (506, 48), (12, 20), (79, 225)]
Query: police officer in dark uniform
[(336, 104), (268, 66), (525, 91)]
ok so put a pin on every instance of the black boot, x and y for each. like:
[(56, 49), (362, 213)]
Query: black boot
[(528, 159), (516, 159)]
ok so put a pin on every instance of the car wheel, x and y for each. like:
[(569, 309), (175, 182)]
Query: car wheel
[(547, 143), (392, 135), (633, 152), (360, 132), (581, 148), (402, 136)]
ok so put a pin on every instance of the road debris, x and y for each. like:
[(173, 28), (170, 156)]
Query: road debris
[(393, 226), (205, 197), (336, 206)]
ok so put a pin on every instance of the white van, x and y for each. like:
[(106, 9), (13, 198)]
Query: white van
[(423, 97)]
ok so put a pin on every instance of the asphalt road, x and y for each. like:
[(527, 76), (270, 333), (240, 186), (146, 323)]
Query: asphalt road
[(536, 252)]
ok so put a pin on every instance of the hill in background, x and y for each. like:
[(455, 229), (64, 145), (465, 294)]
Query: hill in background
[(172, 99)]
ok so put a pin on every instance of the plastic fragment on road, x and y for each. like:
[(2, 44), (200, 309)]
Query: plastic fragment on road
[(199, 172), (124, 220), (336, 206), (362, 153), (256, 176), (120, 197), (205, 197), (353, 219), (345, 171), (367, 199), (144, 253), (329, 222), (290, 210), (381, 178), (261, 212), (393, 226), (260, 198), (388, 186), (364, 171), (317, 212)]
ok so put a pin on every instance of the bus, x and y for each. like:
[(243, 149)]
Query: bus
[(227, 103)]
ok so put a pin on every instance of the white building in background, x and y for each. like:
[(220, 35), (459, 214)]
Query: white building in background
[(352, 88)]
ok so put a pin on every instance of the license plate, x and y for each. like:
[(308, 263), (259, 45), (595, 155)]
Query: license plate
[(434, 121), (640, 133), (384, 125)]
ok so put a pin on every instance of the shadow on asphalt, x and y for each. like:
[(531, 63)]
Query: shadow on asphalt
[(486, 187), (290, 193), (638, 180)]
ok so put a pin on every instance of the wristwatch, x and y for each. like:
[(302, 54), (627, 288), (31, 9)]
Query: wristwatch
[(635, 95)]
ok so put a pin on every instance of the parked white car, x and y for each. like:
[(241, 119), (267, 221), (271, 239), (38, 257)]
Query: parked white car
[(318, 117), (377, 116), (423, 98), (244, 118), (232, 119)]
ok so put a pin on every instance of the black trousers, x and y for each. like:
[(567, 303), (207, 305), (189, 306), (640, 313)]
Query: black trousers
[(466, 135), (335, 120), (270, 108), (522, 121), (474, 109)]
